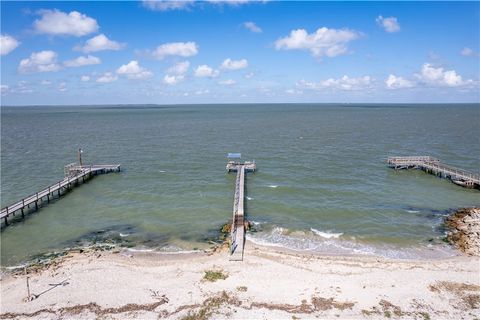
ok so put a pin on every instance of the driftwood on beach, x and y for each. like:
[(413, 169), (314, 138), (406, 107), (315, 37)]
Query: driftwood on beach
[(464, 232)]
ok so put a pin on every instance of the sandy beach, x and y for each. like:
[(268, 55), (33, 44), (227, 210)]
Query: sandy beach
[(269, 284)]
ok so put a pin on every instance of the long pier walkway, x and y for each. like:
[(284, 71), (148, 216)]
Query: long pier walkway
[(434, 166), (238, 221), (74, 174)]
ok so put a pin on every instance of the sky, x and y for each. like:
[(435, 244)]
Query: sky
[(240, 51)]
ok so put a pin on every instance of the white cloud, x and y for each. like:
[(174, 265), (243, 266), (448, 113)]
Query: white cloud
[(467, 52), (100, 43), (182, 49), (62, 87), (134, 71), (22, 87), (173, 79), (176, 73), (107, 77), (4, 89), (85, 78), (205, 71), (430, 76), (179, 68), (390, 24), (56, 22), (293, 91), (323, 42), (46, 82), (343, 83), (200, 92), (438, 76), (234, 64), (43, 61), (7, 44), (394, 82), (165, 5), (249, 75), (235, 2), (82, 61), (252, 27), (228, 82)]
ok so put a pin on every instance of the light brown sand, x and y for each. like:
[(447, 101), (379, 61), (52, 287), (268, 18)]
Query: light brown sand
[(268, 284)]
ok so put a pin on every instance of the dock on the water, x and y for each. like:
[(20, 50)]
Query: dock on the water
[(238, 222), (435, 166), (74, 174)]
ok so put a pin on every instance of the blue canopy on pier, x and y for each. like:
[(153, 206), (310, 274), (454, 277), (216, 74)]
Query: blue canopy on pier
[(234, 155)]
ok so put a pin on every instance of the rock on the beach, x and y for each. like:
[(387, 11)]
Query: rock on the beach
[(464, 232)]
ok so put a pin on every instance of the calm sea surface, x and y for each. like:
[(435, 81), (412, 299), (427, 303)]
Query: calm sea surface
[(322, 184)]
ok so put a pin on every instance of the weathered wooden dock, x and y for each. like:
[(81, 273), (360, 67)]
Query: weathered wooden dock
[(435, 166), (74, 174), (238, 222)]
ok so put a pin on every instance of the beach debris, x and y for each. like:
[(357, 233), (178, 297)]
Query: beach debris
[(388, 310), (156, 295), (320, 303), (467, 294), (214, 275), (226, 228), (86, 309), (211, 306), (464, 225)]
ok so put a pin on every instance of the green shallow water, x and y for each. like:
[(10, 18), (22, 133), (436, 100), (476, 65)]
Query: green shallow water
[(320, 167)]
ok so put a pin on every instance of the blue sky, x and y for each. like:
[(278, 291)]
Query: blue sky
[(239, 51)]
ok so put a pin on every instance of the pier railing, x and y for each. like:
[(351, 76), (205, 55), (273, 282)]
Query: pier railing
[(237, 233), (235, 220), (73, 176), (435, 166), (420, 159)]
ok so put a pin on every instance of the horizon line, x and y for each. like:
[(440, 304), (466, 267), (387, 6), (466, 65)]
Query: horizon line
[(233, 103)]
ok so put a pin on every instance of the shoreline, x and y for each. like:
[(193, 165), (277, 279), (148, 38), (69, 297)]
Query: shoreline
[(422, 253), (310, 243), (269, 283)]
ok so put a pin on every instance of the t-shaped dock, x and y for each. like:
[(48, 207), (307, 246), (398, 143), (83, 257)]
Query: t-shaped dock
[(238, 222)]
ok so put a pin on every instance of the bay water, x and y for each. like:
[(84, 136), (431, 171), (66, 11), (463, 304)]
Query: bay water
[(322, 183)]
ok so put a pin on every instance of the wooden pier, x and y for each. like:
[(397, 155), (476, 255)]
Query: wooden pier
[(74, 174), (238, 222), (435, 166)]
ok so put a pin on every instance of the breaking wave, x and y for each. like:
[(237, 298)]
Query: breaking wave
[(327, 235), (333, 244)]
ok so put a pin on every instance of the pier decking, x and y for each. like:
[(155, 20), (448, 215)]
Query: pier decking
[(74, 174), (435, 166), (238, 221)]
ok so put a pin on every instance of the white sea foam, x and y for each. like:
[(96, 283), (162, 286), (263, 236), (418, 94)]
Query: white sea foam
[(123, 235), (161, 171), (164, 250), (139, 250), (278, 230), (179, 252), (249, 198), (21, 266), (273, 186), (327, 235), (280, 237), (413, 211)]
